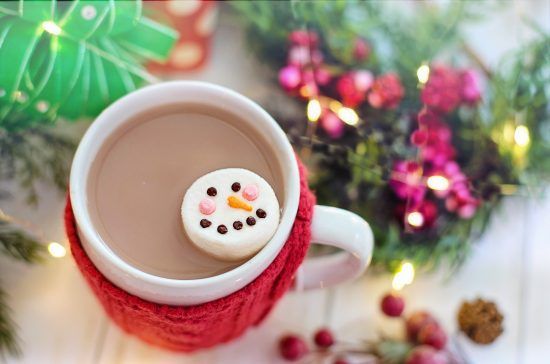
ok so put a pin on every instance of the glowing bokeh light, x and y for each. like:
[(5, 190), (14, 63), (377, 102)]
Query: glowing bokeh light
[(313, 110), (50, 27), (56, 250)]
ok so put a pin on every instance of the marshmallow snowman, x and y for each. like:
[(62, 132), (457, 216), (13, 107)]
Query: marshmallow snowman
[(230, 213)]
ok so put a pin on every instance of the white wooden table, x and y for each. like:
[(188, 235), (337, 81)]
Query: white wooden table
[(61, 322)]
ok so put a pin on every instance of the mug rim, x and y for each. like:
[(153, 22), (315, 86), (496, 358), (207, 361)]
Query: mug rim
[(100, 130)]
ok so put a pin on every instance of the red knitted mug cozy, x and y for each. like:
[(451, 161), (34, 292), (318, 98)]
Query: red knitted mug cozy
[(188, 328)]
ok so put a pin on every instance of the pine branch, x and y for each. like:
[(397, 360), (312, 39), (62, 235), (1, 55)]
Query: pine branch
[(19, 245), (8, 337), (476, 58), (37, 153)]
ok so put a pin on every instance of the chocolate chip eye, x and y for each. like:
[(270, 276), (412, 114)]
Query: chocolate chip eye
[(261, 213), (222, 229), (236, 187), (237, 225), (205, 223), (250, 221), (211, 191)]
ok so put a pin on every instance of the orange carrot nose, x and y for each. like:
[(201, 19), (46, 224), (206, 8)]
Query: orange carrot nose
[(237, 203)]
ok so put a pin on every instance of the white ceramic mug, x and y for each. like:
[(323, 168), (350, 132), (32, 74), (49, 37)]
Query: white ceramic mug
[(330, 226)]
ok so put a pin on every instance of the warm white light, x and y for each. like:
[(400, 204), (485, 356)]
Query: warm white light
[(423, 73), (56, 250), (438, 183), (407, 269), (348, 116), (397, 282), (415, 219), (313, 110), (521, 136), (404, 276), (52, 28), (335, 106)]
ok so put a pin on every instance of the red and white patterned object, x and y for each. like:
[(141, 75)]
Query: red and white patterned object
[(195, 20)]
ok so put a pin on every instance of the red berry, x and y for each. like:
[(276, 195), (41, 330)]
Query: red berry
[(392, 305), (415, 322), (426, 355), (361, 49), (292, 347), (323, 338), (433, 335)]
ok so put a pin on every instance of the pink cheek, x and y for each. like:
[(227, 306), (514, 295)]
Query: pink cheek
[(251, 192), (207, 206)]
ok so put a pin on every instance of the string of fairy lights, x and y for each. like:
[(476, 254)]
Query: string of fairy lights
[(405, 273), (56, 249), (517, 134)]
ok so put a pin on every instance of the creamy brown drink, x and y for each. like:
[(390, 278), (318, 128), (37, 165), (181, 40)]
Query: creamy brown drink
[(142, 171)]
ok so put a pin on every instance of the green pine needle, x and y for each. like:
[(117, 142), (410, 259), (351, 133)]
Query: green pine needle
[(35, 154), (19, 245), (28, 156), (9, 342)]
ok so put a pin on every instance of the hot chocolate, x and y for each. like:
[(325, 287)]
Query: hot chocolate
[(142, 171)]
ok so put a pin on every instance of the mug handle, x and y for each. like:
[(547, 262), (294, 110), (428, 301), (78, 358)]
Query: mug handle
[(341, 229)]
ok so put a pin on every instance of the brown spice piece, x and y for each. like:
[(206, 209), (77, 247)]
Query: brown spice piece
[(250, 221), (480, 320), (212, 191), (236, 187), (237, 225), (261, 213), (205, 223)]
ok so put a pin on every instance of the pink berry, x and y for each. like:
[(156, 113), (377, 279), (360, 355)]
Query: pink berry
[(392, 305), (415, 322), (426, 355), (323, 338), (292, 347), (332, 125), (433, 335), (289, 77)]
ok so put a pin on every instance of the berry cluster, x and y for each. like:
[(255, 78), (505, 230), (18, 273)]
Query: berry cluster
[(445, 90), (423, 332), (308, 77), (410, 179), (425, 343), (293, 347), (305, 70)]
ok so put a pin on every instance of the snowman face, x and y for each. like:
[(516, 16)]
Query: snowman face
[(230, 213)]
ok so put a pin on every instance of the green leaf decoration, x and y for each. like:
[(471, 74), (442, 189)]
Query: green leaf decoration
[(72, 59)]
